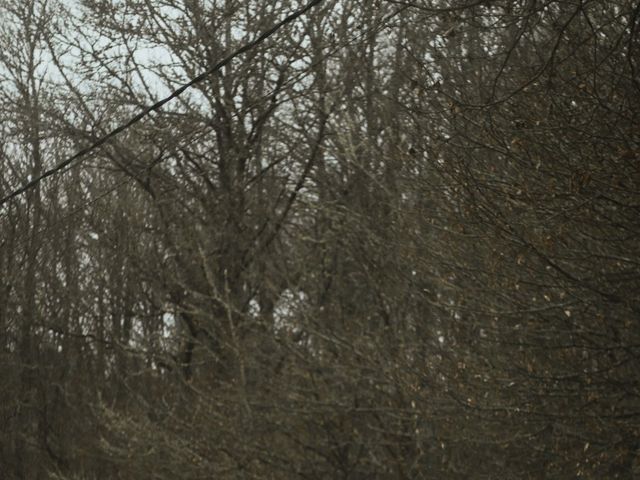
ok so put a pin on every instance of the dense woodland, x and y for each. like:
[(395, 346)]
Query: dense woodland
[(394, 240)]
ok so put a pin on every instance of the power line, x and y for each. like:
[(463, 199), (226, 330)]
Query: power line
[(301, 75), (156, 106)]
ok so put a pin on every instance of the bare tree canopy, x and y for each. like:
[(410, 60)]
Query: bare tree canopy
[(373, 239)]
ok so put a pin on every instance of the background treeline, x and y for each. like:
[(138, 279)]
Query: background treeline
[(396, 240)]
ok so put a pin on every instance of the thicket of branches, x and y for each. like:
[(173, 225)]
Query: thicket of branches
[(395, 240)]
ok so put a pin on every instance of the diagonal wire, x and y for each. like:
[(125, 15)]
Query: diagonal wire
[(158, 105), (295, 79)]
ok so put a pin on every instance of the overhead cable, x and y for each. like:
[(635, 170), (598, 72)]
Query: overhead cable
[(156, 106)]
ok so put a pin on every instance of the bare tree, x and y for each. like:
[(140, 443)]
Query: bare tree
[(395, 240)]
